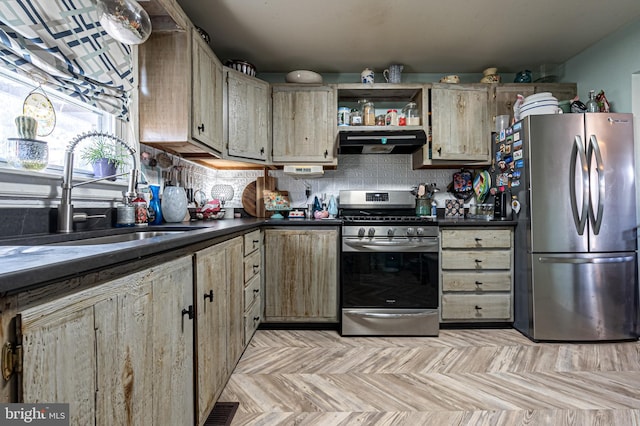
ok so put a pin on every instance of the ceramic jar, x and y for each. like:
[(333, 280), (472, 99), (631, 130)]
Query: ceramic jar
[(367, 76), (174, 204)]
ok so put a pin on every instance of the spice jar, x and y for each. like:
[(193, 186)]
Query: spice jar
[(411, 114), (368, 113), (355, 118)]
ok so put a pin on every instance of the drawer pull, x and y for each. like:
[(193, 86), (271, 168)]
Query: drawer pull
[(209, 296), (478, 308), (478, 282), (478, 261), (478, 239), (256, 290)]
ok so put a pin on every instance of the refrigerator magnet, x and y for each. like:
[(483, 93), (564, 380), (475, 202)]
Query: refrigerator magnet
[(517, 144), (503, 135), (516, 136), (516, 174), (509, 131), (508, 158), (517, 154), (517, 126), (519, 164), (498, 156), (507, 149), (515, 183)]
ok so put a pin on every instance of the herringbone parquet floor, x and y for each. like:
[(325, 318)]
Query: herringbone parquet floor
[(462, 377)]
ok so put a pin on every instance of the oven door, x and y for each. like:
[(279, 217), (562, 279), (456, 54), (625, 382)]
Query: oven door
[(400, 273)]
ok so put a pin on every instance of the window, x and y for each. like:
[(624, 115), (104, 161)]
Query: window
[(72, 119)]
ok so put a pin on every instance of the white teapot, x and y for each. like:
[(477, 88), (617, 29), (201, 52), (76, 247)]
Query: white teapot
[(367, 76)]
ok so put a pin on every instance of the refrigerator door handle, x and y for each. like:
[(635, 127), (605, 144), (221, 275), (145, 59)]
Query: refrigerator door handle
[(579, 218), (578, 260), (595, 219)]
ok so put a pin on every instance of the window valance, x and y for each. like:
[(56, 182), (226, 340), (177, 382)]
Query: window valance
[(61, 44)]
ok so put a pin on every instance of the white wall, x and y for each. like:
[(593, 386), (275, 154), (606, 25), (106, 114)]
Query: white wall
[(608, 65)]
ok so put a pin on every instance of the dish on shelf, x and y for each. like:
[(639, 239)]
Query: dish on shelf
[(303, 76)]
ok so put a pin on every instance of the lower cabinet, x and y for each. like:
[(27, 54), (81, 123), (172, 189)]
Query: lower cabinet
[(476, 274), (252, 283), (119, 353), (219, 293), (301, 275)]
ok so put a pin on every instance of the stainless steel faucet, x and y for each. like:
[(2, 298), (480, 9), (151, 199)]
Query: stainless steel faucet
[(66, 216)]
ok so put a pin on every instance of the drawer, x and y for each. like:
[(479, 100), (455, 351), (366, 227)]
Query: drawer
[(251, 322), (252, 265), (476, 281), (252, 241), (251, 291), (475, 238), (476, 307), (476, 259)]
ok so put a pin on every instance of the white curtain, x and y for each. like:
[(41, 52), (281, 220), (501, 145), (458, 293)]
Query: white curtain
[(61, 44)]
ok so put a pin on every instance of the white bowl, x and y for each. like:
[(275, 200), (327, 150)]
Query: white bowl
[(538, 96), (528, 105), (540, 105), (540, 111), (303, 76)]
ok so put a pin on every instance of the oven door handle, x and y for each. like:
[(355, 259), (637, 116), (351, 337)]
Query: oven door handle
[(388, 315), (426, 243)]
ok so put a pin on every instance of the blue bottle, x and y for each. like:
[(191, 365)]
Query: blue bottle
[(316, 204), (155, 214)]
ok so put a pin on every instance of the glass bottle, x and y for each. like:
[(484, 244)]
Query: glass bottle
[(592, 105), (141, 211)]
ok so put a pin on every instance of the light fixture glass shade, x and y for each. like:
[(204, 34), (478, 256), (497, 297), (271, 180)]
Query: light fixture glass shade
[(124, 20)]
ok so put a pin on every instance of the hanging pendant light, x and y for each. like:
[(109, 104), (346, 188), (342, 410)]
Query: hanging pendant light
[(124, 20)]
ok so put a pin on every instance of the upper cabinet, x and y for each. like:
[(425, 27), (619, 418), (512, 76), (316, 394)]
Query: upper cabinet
[(181, 88), (460, 123), (304, 123), (505, 95), (247, 117)]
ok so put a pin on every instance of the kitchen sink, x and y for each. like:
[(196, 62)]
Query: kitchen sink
[(119, 238)]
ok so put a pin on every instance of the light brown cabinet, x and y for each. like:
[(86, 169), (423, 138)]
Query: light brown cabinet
[(476, 274), (252, 283), (461, 133), (504, 95), (181, 89), (247, 117), (301, 275), (304, 123), (118, 353), (219, 319)]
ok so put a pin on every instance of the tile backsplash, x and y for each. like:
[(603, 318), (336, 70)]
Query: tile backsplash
[(353, 172)]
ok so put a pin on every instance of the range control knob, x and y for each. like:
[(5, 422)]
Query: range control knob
[(361, 232), (411, 232), (390, 232), (420, 232), (371, 232)]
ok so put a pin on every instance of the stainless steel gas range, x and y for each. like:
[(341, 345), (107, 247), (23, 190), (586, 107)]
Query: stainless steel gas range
[(389, 266)]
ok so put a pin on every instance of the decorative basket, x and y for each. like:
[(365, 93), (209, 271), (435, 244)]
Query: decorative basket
[(242, 66)]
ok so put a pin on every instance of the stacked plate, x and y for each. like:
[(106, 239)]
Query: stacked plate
[(539, 104)]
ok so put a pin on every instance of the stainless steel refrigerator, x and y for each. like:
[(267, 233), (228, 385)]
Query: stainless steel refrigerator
[(576, 238)]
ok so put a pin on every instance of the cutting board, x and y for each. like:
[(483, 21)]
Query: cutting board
[(252, 196), (249, 199)]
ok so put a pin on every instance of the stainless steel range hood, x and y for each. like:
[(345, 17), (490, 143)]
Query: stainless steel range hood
[(381, 141)]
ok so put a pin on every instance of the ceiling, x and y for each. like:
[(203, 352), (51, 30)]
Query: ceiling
[(345, 36)]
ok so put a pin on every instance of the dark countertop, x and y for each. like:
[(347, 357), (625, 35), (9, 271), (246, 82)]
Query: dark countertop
[(23, 264)]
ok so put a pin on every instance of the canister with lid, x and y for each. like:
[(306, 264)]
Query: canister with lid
[(392, 117), (355, 117), (368, 113), (412, 114), (343, 116)]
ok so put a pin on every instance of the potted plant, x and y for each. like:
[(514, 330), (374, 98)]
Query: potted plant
[(105, 157)]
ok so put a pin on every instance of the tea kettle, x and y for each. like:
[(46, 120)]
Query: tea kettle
[(502, 207)]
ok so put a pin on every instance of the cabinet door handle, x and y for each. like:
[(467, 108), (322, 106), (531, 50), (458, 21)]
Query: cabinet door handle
[(439, 151), (256, 267), (201, 127), (262, 151), (209, 296), (478, 282), (256, 290), (188, 312), (256, 319), (478, 261), (478, 239), (326, 153), (478, 308)]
